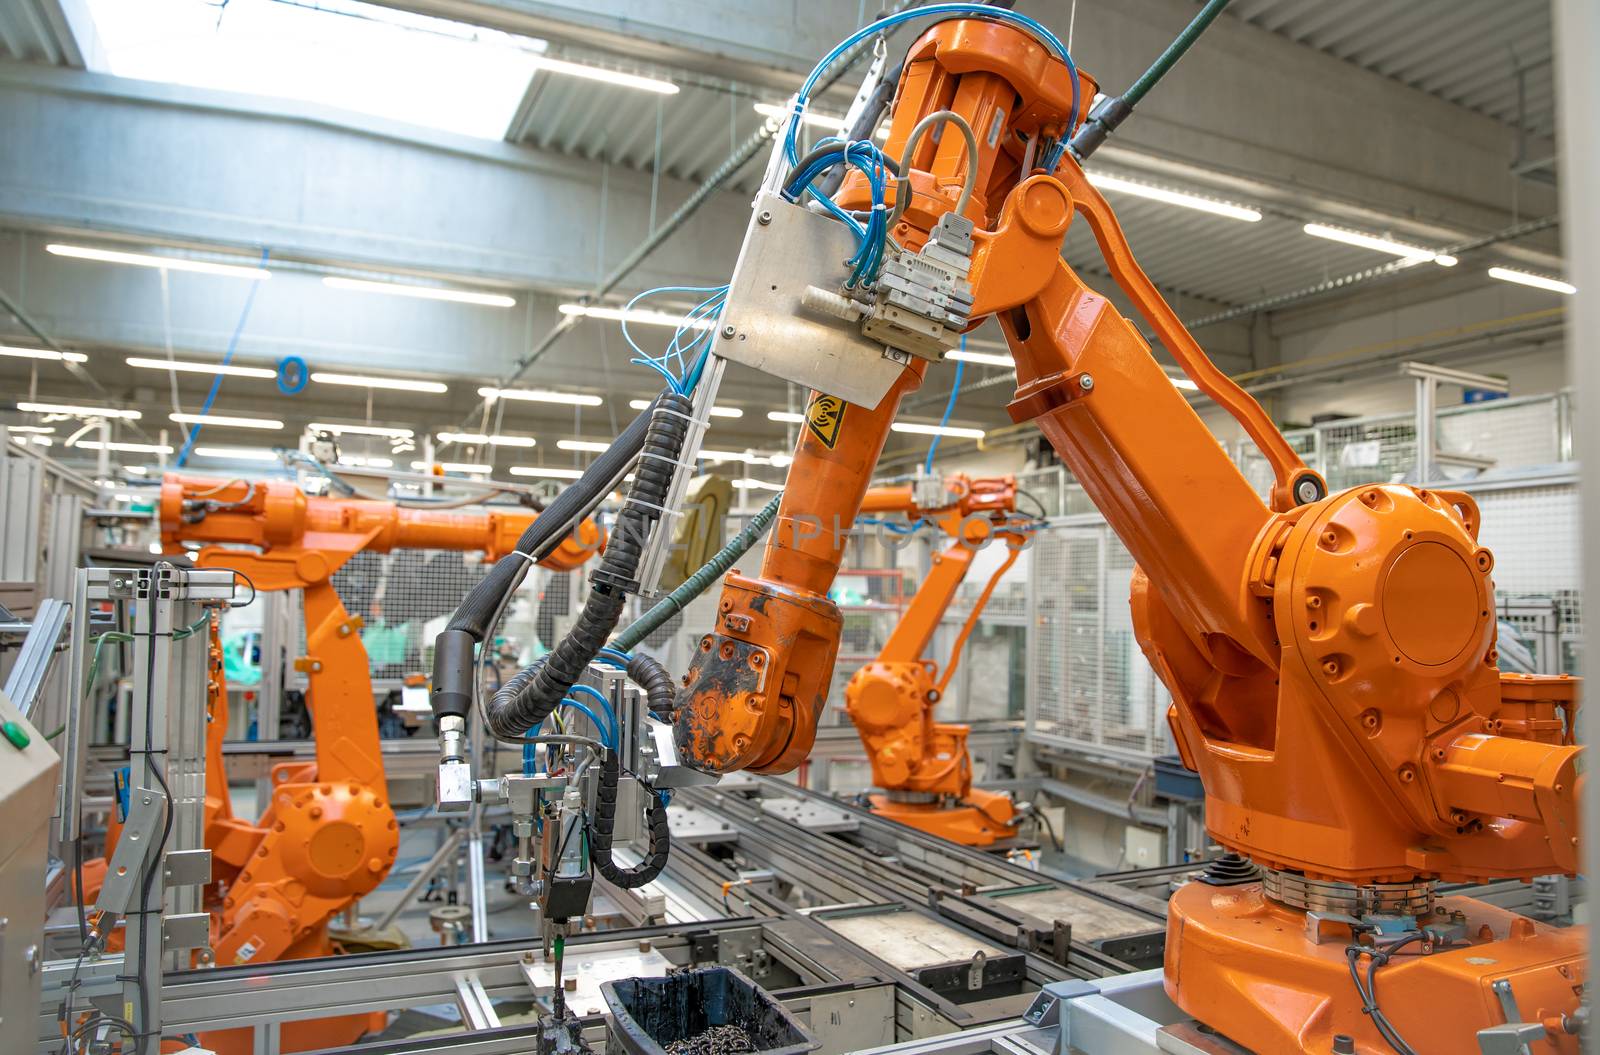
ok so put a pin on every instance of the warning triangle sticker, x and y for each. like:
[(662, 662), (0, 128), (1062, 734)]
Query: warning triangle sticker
[(825, 419)]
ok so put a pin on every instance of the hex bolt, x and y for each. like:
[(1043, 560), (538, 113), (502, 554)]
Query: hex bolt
[(1086, 381), (728, 331), (764, 217)]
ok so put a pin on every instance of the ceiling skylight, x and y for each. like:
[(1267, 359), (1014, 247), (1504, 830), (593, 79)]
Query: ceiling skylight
[(341, 53)]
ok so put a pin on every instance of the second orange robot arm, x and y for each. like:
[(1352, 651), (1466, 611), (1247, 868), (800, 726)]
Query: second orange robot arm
[(291, 876), (891, 699)]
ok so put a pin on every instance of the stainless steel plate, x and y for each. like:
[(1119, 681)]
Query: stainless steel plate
[(771, 330)]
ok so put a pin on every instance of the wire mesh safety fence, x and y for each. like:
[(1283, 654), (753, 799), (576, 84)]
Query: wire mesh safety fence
[(1089, 685), (403, 598), (1508, 434)]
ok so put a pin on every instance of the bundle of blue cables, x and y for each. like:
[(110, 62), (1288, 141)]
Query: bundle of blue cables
[(609, 733), (1052, 153), (871, 238), (685, 357)]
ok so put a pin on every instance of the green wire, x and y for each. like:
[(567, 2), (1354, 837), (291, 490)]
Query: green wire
[(1169, 58), (697, 583), (123, 638)]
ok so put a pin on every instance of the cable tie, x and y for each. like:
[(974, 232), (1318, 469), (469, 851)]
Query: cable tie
[(663, 510), (664, 458), (705, 424)]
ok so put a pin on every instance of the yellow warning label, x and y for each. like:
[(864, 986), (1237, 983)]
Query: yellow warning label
[(825, 419)]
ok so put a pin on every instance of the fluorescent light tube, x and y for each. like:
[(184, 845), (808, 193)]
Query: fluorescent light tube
[(361, 430), (986, 358), (42, 353), (1174, 197), (146, 363), (225, 421), (831, 122), (1382, 245), (401, 289), (454, 467), (937, 430), (238, 454), (642, 316), (73, 410), (360, 461), (125, 448), (605, 76), (1528, 278), (539, 470), (1183, 383), (480, 437), (171, 263), (716, 411), (583, 445), (787, 416), (540, 395), (759, 485), (43, 430), (732, 456), (398, 384), (780, 114)]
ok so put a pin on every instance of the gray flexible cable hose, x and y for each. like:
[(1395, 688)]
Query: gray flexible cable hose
[(902, 190)]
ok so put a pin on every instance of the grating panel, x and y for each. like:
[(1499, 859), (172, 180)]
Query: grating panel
[(1090, 683), (1377, 450), (1534, 534), (1512, 434), (1516, 435), (403, 599)]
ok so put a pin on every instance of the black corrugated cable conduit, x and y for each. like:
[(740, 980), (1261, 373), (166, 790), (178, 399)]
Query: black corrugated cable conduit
[(660, 691), (523, 703), (605, 819), (454, 648)]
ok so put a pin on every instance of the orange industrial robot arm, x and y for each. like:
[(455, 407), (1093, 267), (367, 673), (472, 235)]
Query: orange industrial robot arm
[(328, 836), (1330, 657), (1313, 630), (923, 766)]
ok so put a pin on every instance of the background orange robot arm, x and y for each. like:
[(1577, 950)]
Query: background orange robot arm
[(328, 836), (923, 765)]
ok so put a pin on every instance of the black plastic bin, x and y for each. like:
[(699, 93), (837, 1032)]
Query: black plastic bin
[(647, 1014)]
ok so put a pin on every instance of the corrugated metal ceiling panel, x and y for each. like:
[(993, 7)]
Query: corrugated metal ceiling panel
[(1223, 261), (36, 31), (694, 129), (1468, 52)]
